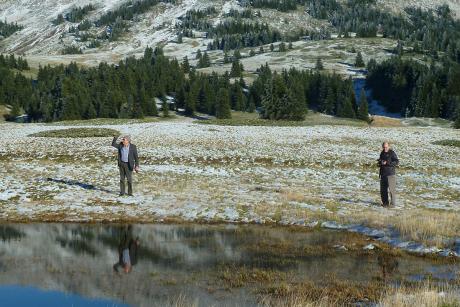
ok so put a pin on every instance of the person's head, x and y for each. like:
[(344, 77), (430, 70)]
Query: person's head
[(126, 140), (385, 146), (127, 268)]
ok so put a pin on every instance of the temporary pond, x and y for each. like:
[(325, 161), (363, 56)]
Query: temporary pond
[(184, 264)]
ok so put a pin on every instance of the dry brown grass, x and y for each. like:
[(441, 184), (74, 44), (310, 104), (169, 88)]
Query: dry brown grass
[(422, 225), (288, 195), (308, 295), (334, 293), (424, 296), (381, 121)]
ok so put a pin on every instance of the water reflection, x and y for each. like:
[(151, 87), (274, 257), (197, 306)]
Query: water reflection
[(127, 250), (193, 261)]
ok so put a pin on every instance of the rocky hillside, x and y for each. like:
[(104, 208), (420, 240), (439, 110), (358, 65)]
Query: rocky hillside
[(45, 38)]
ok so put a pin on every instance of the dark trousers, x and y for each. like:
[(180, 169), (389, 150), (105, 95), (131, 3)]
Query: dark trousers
[(388, 186), (125, 172)]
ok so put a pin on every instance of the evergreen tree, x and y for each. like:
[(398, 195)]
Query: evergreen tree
[(282, 47), (359, 62), (185, 65), (198, 55), (237, 69), (363, 110), (165, 109), (223, 104), (319, 64)]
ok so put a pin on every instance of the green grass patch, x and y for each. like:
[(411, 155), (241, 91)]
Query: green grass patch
[(453, 143), (77, 133), (312, 119)]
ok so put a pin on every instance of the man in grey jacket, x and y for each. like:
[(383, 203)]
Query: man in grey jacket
[(388, 161), (127, 162)]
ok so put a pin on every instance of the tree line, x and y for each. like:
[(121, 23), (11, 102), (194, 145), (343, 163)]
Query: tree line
[(290, 93), (414, 89), (131, 88), (7, 29)]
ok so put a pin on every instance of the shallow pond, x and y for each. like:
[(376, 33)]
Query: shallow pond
[(163, 264)]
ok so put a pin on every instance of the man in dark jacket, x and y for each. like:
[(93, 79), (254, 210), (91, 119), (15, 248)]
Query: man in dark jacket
[(388, 161), (127, 162)]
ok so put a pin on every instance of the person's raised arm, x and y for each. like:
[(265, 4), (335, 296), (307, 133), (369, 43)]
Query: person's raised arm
[(114, 142)]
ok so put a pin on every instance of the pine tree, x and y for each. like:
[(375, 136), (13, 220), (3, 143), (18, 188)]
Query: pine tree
[(198, 55), (237, 69), (359, 62), (165, 109), (185, 65), (223, 104), (363, 109), (282, 47), (319, 64)]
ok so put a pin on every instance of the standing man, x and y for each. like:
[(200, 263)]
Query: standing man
[(127, 162), (387, 162)]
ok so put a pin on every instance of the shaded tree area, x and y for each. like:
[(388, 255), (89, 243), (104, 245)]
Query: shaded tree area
[(131, 88), (7, 29), (289, 94), (426, 31), (15, 89), (237, 33), (125, 90), (116, 19), (78, 13), (413, 89)]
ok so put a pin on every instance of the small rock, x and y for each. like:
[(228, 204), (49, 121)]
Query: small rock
[(369, 247), (340, 247)]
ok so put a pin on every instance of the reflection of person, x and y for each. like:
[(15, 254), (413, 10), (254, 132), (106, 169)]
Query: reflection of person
[(387, 163), (127, 250), (127, 162)]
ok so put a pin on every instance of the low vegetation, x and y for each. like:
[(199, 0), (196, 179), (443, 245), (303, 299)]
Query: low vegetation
[(77, 133), (452, 143)]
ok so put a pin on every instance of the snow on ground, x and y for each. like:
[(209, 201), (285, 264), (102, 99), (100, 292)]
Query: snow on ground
[(189, 171)]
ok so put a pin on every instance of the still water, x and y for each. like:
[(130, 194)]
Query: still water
[(159, 265)]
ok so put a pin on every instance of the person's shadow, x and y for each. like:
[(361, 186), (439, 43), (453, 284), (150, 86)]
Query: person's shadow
[(127, 250), (82, 185)]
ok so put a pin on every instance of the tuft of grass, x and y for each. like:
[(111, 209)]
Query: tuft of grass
[(77, 133), (351, 294), (453, 143), (423, 296)]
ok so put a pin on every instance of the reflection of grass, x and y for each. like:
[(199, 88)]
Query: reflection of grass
[(453, 143), (77, 133)]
